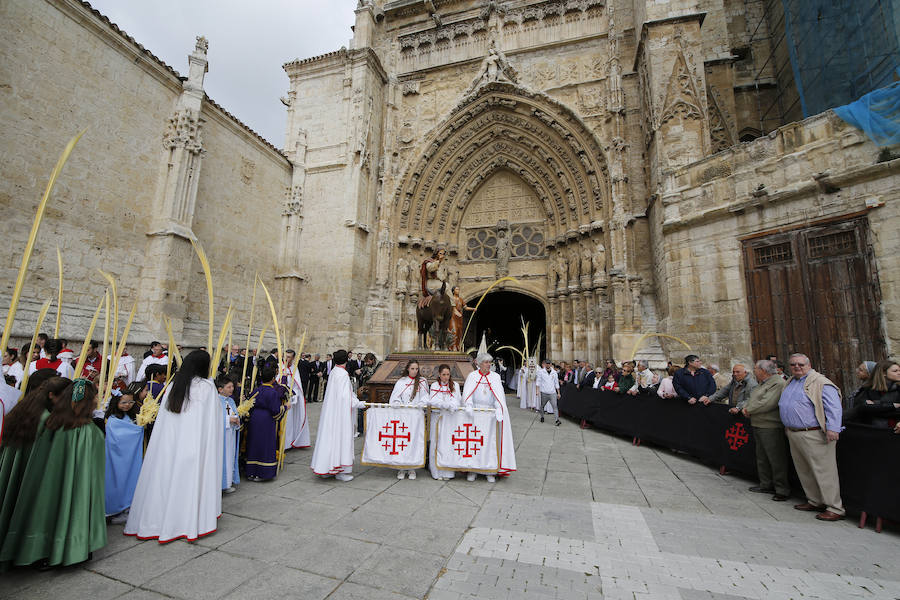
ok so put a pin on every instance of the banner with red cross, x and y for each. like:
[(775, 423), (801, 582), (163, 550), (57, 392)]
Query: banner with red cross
[(467, 444), (395, 437)]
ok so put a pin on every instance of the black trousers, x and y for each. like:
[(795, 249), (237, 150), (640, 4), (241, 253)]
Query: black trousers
[(312, 394)]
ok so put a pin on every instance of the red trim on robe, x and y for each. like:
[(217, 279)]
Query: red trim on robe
[(501, 472), (180, 537)]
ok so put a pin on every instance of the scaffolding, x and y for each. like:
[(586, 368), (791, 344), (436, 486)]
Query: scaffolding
[(822, 54)]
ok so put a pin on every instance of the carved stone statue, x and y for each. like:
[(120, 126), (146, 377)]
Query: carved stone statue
[(599, 260), (490, 65), (495, 67), (435, 276), (402, 274), (586, 259), (502, 249), (562, 268), (574, 264), (635, 288)]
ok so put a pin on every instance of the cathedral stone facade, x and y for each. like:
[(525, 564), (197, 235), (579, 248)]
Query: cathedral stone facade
[(598, 151), (588, 148)]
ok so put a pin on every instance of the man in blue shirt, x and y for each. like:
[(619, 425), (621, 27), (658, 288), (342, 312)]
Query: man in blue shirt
[(694, 383), (810, 408)]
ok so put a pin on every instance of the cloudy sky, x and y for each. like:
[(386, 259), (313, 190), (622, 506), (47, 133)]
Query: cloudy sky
[(248, 43)]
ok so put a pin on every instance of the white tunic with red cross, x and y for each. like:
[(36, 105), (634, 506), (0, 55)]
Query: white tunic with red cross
[(485, 390), (445, 397)]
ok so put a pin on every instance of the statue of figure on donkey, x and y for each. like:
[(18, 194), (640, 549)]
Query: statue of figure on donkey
[(435, 307)]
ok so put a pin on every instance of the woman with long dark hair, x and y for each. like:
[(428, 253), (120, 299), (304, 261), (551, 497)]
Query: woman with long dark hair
[(444, 395), (58, 518), (179, 491), (878, 404), (20, 428), (410, 390)]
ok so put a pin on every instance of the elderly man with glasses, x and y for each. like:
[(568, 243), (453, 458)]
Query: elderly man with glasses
[(810, 408)]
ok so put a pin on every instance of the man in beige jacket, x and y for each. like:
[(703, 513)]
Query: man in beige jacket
[(810, 408), (768, 432)]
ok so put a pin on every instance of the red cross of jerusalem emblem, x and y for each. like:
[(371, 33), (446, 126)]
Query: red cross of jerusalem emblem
[(468, 445), (392, 439), (736, 436)]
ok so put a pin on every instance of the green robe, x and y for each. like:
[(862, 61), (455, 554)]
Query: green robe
[(12, 467), (59, 514)]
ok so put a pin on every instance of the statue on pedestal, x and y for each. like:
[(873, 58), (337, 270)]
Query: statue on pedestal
[(435, 308)]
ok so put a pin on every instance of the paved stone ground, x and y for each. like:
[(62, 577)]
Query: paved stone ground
[(586, 516)]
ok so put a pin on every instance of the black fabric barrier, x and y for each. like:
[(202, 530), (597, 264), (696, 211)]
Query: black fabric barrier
[(868, 459), (869, 470), (709, 433)]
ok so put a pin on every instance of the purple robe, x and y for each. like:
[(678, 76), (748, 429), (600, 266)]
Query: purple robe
[(262, 432)]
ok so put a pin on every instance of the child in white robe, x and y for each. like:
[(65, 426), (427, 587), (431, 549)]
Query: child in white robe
[(333, 454), (230, 477), (410, 390), (444, 396)]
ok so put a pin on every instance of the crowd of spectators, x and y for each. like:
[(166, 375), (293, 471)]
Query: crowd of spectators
[(796, 416)]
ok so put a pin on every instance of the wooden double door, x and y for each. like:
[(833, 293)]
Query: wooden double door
[(815, 290)]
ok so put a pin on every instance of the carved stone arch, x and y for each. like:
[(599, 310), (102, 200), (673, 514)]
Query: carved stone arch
[(474, 291), (502, 125), (542, 189)]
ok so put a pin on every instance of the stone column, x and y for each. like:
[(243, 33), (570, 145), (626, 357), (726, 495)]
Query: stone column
[(566, 328), (406, 308), (579, 325), (591, 313), (602, 312), (165, 282), (634, 299), (553, 327), (618, 302)]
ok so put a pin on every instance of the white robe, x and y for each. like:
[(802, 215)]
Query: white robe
[(151, 360), (9, 397), (125, 368), (333, 453), (445, 398), (402, 394), (231, 438), (529, 396), (486, 391), (179, 491), (296, 428), (15, 370)]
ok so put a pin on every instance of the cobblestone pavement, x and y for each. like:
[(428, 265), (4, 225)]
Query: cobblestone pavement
[(587, 515)]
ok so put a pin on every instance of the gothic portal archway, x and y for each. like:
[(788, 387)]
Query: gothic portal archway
[(500, 316), (511, 182)]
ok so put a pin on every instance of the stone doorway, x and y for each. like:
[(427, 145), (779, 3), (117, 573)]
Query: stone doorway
[(500, 316)]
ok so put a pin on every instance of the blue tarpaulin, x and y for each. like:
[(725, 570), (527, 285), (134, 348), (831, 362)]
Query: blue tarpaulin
[(877, 113)]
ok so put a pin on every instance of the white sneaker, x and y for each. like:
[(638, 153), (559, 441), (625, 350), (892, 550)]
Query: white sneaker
[(412, 474), (344, 477), (470, 477), (356, 435), (229, 490), (120, 518), (401, 474), (491, 479)]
